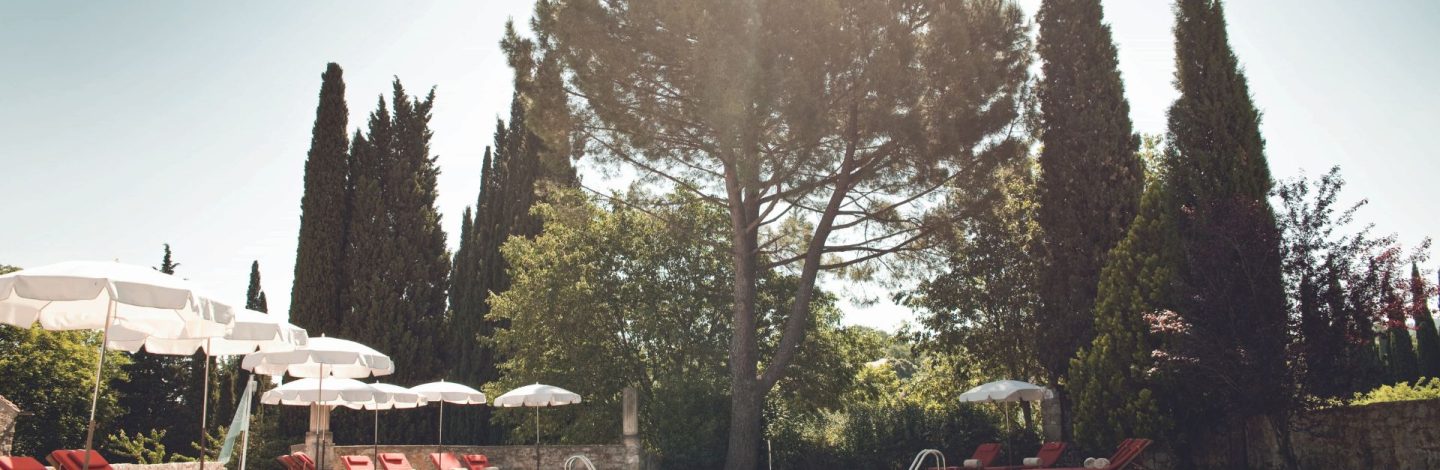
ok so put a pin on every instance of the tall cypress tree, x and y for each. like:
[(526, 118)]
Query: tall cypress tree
[(1427, 339), (400, 276), (1234, 300), (525, 160), (254, 295), (1402, 363), (1091, 174), (1111, 380), (315, 297)]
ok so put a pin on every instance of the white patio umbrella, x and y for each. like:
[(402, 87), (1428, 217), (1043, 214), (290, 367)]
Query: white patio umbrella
[(251, 331), (537, 396), (1006, 391), (91, 295), (321, 358), (448, 392), (400, 398)]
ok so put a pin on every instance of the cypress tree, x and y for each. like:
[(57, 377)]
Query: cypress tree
[(525, 160), (398, 288), (1234, 300), (1427, 339), (1091, 174), (1402, 363), (315, 297), (1115, 396), (254, 295)]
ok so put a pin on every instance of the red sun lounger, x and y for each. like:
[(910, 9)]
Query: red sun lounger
[(445, 461), (357, 462), (394, 461), (303, 461), (984, 455), (20, 463), (1045, 458), (1124, 457), (75, 460), (288, 462), (477, 461)]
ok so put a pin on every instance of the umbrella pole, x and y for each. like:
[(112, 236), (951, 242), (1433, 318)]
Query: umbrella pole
[(321, 425), (537, 438), (376, 441), (204, 402), (440, 440), (99, 369)]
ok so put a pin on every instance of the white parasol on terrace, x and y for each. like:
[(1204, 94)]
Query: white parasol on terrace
[(448, 392), (537, 396), (106, 296)]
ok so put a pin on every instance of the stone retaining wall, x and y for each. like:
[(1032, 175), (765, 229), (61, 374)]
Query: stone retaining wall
[(8, 413)]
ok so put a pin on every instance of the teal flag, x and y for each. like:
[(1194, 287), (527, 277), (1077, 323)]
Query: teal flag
[(241, 423)]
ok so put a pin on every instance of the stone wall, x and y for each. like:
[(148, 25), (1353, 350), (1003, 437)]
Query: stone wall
[(1397, 435), (8, 413), (605, 457)]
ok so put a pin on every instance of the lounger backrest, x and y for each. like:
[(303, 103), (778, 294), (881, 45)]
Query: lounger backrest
[(1127, 452), (986, 453), (75, 460), (444, 461), (477, 461), (303, 461), (20, 463), (357, 462), (394, 461), (1050, 453), (287, 462)]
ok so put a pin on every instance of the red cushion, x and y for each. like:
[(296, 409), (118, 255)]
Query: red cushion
[(477, 461), (445, 461), (20, 463), (357, 462)]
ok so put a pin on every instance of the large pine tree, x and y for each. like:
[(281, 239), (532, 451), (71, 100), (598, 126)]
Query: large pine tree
[(1234, 300), (529, 154), (315, 298), (1091, 176)]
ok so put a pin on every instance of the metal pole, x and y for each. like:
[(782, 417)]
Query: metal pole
[(537, 438), (320, 426), (99, 368), (376, 439), (440, 441)]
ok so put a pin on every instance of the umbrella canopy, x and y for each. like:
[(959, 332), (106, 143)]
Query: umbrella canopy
[(537, 395), (327, 357), (97, 295), (93, 295), (448, 392), (251, 331), (400, 398), (1006, 391), (333, 392)]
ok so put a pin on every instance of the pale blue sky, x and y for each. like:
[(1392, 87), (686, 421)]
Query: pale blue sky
[(125, 125)]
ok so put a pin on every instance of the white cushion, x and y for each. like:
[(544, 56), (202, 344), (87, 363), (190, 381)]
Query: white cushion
[(972, 463), (1031, 461)]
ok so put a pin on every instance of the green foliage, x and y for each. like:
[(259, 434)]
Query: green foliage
[(531, 154), (1233, 349), (315, 298), (1424, 389), (637, 295), (142, 448), (1091, 174), (395, 300), (1113, 380), (50, 375), (1427, 339), (984, 304)]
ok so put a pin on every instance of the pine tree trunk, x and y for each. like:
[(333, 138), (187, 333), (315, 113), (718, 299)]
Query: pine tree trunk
[(745, 393)]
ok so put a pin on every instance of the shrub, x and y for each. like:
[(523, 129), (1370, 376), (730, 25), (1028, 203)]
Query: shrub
[(1424, 389)]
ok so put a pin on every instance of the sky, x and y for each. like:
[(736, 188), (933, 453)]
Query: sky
[(127, 125)]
